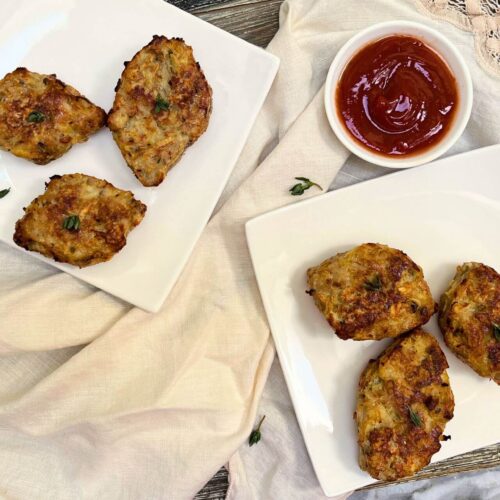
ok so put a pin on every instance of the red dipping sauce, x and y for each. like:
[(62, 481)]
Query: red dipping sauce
[(397, 96)]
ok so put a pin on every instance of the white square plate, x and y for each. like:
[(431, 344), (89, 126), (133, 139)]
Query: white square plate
[(442, 215), (85, 42)]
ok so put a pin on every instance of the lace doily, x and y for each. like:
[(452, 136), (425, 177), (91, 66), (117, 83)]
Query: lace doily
[(482, 17)]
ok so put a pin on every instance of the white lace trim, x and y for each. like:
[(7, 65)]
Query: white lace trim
[(482, 17)]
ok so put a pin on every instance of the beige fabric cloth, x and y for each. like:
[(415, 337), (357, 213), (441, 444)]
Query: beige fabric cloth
[(156, 403)]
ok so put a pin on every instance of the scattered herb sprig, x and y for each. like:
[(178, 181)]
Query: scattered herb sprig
[(415, 418), (299, 188), (373, 284), (4, 192), (256, 435), (71, 223), (36, 117), (496, 331), (161, 105)]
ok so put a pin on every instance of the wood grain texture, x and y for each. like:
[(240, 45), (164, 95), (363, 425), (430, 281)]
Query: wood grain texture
[(484, 458), (256, 21), (216, 488)]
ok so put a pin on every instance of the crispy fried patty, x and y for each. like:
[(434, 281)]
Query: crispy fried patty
[(404, 402), (42, 117), (162, 105), (469, 317), (371, 292), (79, 219)]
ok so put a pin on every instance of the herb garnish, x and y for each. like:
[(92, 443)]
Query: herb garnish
[(161, 105), (4, 192), (415, 418), (373, 284), (298, 189), (36, 117), (256, 435), (71, 223), (496, 331)]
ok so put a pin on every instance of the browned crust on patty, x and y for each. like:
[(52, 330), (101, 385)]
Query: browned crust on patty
[(404, 402), (106, 214), (68, 117), (469, 318), (371, 292), (162, 105)]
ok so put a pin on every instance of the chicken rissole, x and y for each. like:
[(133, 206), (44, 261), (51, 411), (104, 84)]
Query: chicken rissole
[(162, 105), (41, 118), (371, 292), (80, 220)]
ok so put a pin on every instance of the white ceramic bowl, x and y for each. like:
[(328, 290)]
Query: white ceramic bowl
[(441, 45)]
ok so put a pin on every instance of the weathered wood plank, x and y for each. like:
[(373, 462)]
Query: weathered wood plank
[(253, 20), (257, 28), (484, 458), (196, 6), (193, 5), (216, 488)]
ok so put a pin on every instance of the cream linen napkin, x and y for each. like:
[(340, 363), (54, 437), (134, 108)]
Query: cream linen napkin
[(155, 404), (279, 467)]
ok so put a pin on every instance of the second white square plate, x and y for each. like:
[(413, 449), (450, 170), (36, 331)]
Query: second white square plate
[(85, 42), (441, 215)]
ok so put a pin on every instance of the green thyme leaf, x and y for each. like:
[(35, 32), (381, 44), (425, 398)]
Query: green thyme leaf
[(297, 189), (256, 435), (161, 105), (415, 418), (301, 187), (496, 331), (71, 223), (373, 284), (4, 192), (36, 117)]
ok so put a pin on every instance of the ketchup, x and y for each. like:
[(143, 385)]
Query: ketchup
[(397, 96)]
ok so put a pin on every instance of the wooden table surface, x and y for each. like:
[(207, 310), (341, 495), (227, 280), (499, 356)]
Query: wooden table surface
[(256, 21)]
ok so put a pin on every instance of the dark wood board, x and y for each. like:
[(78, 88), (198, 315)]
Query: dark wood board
[(253, 20)]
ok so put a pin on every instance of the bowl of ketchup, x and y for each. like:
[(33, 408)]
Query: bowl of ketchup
[(398, 94)]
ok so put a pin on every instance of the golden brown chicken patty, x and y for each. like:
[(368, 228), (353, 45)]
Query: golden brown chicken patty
[(404, 402), (42, 117), (371, 292), (469, 317), (79, 219), (162, 105)]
